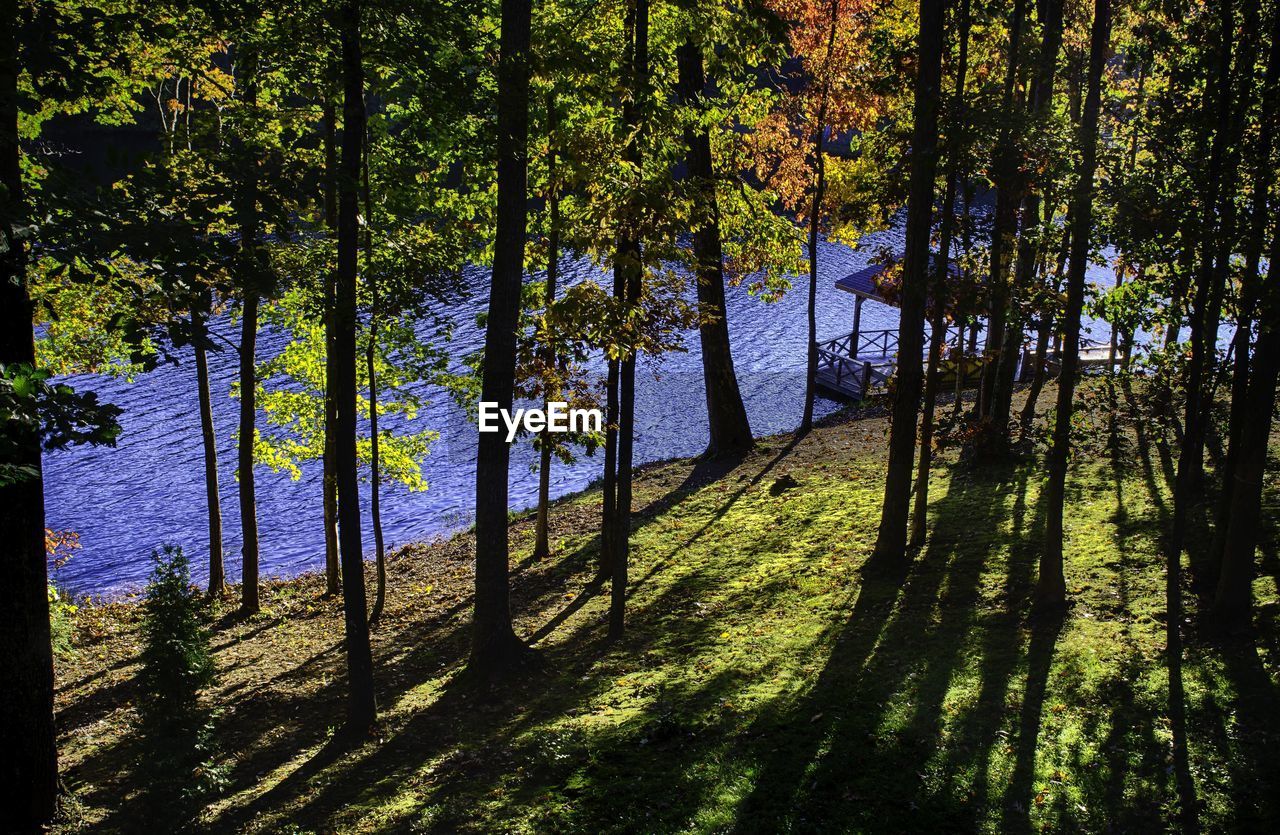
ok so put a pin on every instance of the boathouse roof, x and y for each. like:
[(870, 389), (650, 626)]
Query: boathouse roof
[(864, 283)]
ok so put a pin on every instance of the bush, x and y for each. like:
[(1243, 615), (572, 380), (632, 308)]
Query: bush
[(177, 728), (59, 547), (61, 623)]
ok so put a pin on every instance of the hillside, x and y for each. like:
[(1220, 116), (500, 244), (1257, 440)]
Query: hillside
[(764, 684)]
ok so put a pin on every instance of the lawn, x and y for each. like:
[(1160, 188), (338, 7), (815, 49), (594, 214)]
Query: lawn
[(764, 683)]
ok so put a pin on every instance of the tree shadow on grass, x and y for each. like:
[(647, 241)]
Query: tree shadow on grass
[(449, 764), (863, 745)]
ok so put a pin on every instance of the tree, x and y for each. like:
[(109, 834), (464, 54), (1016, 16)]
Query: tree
[(1246, 300), (891, 540), (1051, 587), (251, 271), (494, 645), (1213, 228), (329, 482), (361, 704), (200, 346), (835, 93), (1251, 418), (27, 734), (628, 279), (1004, 171), (941, 273), (541, 538), (730, 432), (1031, 190), (35, 74)]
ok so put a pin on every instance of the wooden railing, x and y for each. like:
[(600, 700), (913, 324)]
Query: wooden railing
[(877, 343), (847, 372), (882, 343)]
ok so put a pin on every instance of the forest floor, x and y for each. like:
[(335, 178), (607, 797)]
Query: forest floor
[(763, 684)]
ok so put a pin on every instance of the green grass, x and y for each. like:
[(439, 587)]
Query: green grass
[(765, 685)]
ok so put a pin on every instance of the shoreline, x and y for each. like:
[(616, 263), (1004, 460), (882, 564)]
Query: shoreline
[(870, 409)]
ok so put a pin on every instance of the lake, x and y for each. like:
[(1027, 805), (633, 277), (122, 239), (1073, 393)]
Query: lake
[(126, 501)]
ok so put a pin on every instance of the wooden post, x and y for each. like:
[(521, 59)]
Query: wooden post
[(857, 325), (866, 379)]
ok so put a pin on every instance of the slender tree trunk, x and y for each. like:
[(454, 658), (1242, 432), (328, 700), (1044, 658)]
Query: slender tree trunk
[(1242, 413), (200, 341), (1203, 319), (29, 766), (1051, 589), (371, 354), (621, 538), (1046, 332), (730, 433), (815, 224), (942, 268), (251, 267), (1005, 170), (609, 486), (635, 114), (494, 644), (361, 704), (542, 537), (1233, 603), (891, 540), (1028, 244), (329, 482), (1222, 244), (811, 374), (249, 600), (329, 133), (966, 246)]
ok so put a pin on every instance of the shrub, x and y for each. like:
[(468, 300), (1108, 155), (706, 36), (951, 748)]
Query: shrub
[(59, 547), (61, 623), (177, 728)]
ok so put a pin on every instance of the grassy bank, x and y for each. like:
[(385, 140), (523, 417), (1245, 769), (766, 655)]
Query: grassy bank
[(764, 684)]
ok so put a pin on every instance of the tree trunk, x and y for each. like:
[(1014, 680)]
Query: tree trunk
[(1028, 244), (1264, 174), (609, 485), (29, 767), (942, 267), (542, 536), (329, 133), (251, 268), (1046, 332), (1051, 589), (249, 601), (891, 541), (1233, 603), (635, 113), (200, 341), (815, 222), (1203, 318), (730, 433), (329, 482), (371, 353), (494, 643), (811, 365), (1005, 171), (361, 705)]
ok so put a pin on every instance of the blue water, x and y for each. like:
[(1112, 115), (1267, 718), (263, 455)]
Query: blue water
[(149, 490)]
